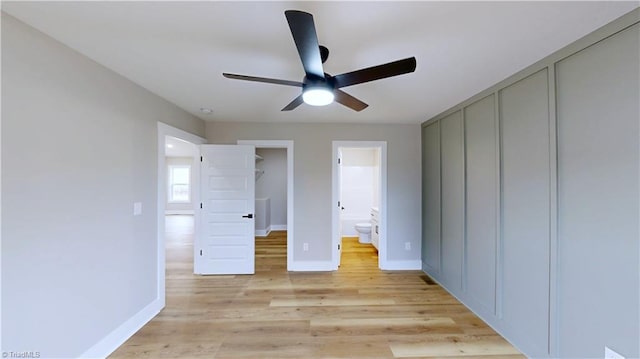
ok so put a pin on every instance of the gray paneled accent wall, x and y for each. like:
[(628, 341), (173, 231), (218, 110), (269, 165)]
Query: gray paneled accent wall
[(525, 167), (481, 203), (452, 197), (532, 199), (597, 107), (431, 197)]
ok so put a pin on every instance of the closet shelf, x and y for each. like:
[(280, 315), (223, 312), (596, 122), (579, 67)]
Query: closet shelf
[(259, 173)]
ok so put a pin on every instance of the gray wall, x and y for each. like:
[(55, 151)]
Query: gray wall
[(78, 149), (312, 179), (531, 199), (273, 183)]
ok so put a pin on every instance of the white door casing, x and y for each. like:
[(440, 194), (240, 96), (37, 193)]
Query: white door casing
[(340, 205), (226, 242)]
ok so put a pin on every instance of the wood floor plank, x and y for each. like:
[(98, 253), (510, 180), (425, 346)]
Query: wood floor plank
[(382, 326), (333, 302), (358, 311), (452, 346)]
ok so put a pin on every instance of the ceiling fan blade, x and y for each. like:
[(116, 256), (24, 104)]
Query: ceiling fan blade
[(345, 99), (304, 35), (263, 79), (293, 104), (376, 72)]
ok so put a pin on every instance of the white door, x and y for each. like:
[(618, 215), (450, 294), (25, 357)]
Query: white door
[(226, 240)]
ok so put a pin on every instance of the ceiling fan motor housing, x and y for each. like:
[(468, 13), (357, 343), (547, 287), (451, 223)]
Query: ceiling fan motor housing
[(318, 82)]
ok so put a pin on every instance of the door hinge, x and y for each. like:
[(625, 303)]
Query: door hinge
[(200, 158), (338, 160), (338, 247), (338, 203), (201, 252), (200, 205)]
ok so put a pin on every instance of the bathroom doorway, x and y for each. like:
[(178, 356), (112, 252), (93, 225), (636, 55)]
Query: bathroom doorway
[(359, 196)]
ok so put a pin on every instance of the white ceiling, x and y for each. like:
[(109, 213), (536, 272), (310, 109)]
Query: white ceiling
[(179, 50), (175, 147)]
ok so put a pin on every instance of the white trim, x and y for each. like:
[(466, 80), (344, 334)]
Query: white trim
[(170, 168), (413, 264), (335, 214), (179, 211), (273, 227), (312, 266), (288, 145), (263, 232), (117, 337), (163, 131)]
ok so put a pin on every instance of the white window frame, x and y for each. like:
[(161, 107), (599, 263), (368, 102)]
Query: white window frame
[(170, 183)]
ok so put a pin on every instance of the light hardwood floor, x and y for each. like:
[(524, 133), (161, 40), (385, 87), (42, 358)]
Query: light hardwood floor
[(356, 312)]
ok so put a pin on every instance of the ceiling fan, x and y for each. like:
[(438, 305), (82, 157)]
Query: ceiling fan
[(318, 87)]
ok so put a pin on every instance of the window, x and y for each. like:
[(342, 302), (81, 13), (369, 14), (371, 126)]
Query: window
[(179, 183)]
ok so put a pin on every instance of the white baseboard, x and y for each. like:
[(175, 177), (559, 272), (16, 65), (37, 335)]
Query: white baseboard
[(312, 266), (403, 265), (273, 227), (116, 338), (263, 232), (178, 211)]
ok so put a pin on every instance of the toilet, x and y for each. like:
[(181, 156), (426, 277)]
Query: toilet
[(364, 232)]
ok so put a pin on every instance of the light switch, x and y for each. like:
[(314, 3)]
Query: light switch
[(137, 208)]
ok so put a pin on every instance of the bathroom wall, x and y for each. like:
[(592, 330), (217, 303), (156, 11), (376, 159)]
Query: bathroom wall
[(358, 187), (272, 184)]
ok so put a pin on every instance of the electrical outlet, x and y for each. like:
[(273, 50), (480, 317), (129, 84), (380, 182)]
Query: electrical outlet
[(610, 354), (407, 246), (305, 247)]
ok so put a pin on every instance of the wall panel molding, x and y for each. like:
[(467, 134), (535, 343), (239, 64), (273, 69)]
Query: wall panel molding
[(535, 278)]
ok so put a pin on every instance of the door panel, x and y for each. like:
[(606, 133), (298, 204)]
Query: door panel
[(227, 242)]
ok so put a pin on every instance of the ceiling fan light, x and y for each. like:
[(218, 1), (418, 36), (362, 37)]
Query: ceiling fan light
[(317, 96)]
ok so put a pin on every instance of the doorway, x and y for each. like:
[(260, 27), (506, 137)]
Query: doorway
[(179, 203), (191, 141), (363, 201), (287, 146)]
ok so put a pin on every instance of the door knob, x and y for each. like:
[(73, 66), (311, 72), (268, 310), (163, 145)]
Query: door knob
[(250, 215)]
